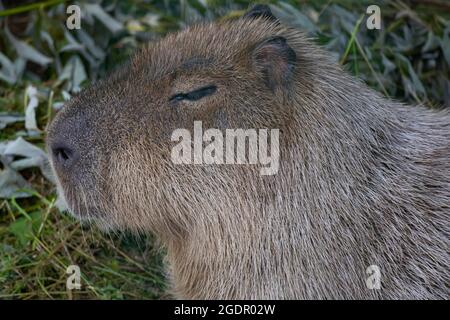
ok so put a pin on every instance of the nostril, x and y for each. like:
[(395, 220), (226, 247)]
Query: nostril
[(62, 154)]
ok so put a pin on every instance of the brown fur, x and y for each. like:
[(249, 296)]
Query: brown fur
[(362, 180)]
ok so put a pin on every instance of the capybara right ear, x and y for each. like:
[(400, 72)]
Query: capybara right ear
[(274, 60), (259, 10)]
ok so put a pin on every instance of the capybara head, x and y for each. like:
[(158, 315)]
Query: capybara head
[(111, 144)]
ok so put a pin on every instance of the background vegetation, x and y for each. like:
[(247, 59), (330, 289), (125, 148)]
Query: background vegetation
[(42, 64)]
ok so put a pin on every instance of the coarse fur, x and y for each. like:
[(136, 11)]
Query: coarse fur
[(362, 181)]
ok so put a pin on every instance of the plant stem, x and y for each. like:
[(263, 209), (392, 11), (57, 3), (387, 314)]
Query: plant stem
[(29, 7)]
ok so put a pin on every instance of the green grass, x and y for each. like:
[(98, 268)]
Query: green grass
[(407, 60), (39, 243)]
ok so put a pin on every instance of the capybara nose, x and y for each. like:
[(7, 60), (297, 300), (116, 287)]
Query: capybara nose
[(64, 157)]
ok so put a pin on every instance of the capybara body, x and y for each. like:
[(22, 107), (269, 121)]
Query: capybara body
[(362, 181)]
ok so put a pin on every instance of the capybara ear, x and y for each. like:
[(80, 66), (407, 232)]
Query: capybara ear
[(259, 10), (275, 60)]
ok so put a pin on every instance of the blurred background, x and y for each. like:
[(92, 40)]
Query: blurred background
[(43, 63)]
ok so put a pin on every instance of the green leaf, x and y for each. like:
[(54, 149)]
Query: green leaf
[(26, 51), (24, 229), (293, 17), (74, 73), (89, 43), (388, 65), (432, 42), (112, 24), (8, 71), (445, 44), (412, 83), (6, 119)]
